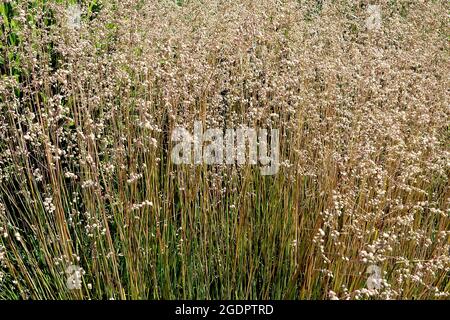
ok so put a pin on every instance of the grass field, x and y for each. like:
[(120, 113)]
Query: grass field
[(92, 206)]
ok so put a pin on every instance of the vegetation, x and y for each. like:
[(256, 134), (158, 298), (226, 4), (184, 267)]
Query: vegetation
[(89, 99)]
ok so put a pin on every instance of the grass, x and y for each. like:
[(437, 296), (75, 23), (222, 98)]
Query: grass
[(86, 177)]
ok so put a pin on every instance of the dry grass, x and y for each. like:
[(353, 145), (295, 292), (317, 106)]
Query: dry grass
[(85, 170)]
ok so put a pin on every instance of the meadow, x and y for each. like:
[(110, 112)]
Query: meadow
[(93, 207)]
